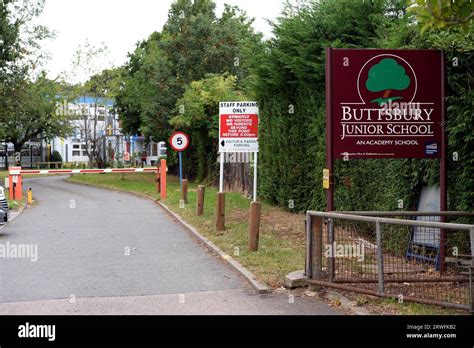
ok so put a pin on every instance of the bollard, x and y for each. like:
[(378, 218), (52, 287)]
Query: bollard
[(200, 200), (220, 212), (254, 225), (184, 190), (30, 196), (15, 183), (163, 179)]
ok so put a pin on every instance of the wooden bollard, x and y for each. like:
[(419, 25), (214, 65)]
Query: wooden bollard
[(220, 212), (254, 225), (200, 200), (184, 190)]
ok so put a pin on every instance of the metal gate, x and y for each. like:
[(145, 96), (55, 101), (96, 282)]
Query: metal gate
[(393, 257)]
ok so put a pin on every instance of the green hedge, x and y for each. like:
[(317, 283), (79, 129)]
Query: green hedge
[(290, 76)]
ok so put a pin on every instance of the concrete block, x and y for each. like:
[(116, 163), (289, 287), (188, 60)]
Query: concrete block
[(295, 280)]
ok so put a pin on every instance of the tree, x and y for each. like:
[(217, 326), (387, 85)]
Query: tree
[(9, 37), (102, 84), (28, 112), (27, 97), (437, 14), (289, 85), (198, 114), (193, 43)]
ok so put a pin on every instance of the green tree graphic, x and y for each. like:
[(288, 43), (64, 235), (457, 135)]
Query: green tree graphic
[(386, 76)]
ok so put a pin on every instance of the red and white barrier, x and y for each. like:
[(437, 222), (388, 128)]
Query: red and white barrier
[(15, 179), (82, 171)]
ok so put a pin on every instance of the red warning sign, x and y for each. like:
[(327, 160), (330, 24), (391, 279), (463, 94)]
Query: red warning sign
[(239, 126)]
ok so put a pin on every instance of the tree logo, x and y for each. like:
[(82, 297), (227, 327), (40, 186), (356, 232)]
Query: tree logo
[(387, 78)]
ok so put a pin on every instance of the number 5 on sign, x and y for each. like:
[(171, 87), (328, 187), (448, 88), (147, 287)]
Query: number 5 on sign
[(179, 141)]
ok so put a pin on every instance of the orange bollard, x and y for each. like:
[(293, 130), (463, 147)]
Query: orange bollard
[(11, 188), (15, 184), (163, 169), (19, 189)]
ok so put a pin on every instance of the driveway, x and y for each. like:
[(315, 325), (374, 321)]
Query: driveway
[(104, 252)]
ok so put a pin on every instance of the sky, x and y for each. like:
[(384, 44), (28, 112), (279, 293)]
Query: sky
[(120, 24)]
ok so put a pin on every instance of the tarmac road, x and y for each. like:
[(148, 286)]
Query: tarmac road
[(104, 252)]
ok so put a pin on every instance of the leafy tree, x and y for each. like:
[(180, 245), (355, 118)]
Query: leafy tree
[(437, 14), (27, 103), (193, 43), (28, 111), (457, 44), (9, 37), (198, 114)]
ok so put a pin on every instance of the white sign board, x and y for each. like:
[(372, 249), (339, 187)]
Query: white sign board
[(238, 127), (429, 201)]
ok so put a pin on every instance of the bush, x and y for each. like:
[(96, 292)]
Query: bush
[(56, 157)]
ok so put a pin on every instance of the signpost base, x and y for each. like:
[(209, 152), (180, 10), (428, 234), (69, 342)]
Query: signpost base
[(254, 225)]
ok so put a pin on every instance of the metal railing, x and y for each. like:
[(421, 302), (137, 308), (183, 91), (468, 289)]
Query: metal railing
[(47, 165), (410, 256)]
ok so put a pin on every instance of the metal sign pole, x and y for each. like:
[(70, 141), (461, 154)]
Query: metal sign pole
[(329, 130), (255, 177), (221, 174), (180, 170), (443, 189)]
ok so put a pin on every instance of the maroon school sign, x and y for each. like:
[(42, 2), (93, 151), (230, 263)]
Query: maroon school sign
[(385, 103)]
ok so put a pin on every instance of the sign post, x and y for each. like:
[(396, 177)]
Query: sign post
[(238, 132), (385, 104), (179, 141)]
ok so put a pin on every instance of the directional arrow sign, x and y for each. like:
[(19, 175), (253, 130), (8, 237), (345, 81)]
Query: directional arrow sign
[(238, 127)]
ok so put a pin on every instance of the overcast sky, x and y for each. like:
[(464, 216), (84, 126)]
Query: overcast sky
[(121, 23)]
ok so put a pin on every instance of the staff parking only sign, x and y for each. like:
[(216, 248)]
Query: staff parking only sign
[(238, 127), (385, 103)]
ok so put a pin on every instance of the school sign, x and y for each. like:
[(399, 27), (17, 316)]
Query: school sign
[(385, 103)]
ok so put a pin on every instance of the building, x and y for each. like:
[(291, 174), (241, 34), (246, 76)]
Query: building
[(94, 122)]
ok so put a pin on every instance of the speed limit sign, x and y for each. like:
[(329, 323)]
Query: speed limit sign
[(179, 141)]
